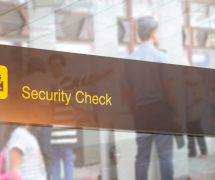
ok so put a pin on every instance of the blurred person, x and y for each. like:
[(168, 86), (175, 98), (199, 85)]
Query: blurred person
[(58, 147), (37, 77), (62, 138), (196, 104), (23, 157), (152, 101)]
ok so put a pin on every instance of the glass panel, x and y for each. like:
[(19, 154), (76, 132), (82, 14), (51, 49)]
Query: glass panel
[(109, 28), (90, 154)]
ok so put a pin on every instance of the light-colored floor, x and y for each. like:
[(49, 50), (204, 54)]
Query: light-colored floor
[(202, 168), (87, 172), (199, 169)]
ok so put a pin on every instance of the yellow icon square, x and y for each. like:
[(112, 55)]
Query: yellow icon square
[(3, 82)]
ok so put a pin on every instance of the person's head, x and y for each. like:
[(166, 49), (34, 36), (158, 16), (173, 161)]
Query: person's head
[(57, 63), (147, 29), (35, 65)]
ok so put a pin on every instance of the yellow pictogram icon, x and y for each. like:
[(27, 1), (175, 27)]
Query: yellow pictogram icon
[(3, 82)]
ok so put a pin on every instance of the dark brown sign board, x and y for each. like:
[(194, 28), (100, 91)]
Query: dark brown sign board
[(86, 91)]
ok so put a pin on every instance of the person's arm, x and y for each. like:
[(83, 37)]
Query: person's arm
[(90, 79), (15, 162)]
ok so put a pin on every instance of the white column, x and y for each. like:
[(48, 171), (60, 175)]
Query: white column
[(105, 44), (42, 28), (105, 30), (170, 17)]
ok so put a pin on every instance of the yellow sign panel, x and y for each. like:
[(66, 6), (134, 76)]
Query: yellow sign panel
[(3, 82)]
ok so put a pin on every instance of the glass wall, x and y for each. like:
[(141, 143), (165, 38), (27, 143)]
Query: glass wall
[(186, 32)]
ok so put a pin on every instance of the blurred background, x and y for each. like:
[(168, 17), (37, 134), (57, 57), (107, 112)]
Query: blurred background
[(108, 28)]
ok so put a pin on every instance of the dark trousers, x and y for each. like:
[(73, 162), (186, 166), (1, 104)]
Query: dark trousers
[(164, 144), (196, 125), (57, 154), (157, 117)]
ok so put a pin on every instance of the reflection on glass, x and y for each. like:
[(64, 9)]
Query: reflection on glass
[(132, 156)]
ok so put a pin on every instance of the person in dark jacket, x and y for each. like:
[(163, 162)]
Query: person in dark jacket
[(152, 101)]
